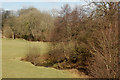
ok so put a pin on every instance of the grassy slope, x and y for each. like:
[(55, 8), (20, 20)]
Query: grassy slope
[(12, 67)]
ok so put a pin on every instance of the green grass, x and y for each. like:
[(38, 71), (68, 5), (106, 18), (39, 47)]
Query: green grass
[(12, 67)]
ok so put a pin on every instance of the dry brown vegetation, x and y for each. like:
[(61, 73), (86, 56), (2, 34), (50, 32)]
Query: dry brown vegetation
[(83, 38)]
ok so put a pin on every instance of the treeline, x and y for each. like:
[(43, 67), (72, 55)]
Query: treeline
[(91, 39), (83, 37), (29, 24)]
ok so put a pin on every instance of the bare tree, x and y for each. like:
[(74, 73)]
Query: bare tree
[(104, 46)]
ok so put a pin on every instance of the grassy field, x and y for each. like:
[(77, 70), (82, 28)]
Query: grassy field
[(12, 67)]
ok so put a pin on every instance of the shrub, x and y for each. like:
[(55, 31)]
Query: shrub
[(67, 56), (33, 55), (7, 32), (38, 59), (56, 56)]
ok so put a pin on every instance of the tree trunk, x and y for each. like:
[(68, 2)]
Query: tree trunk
[(13, 35)]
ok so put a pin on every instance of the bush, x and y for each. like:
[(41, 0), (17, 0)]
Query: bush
[(33, 55), (38, 59), (56, 56), (68, 57), (7, 32)]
